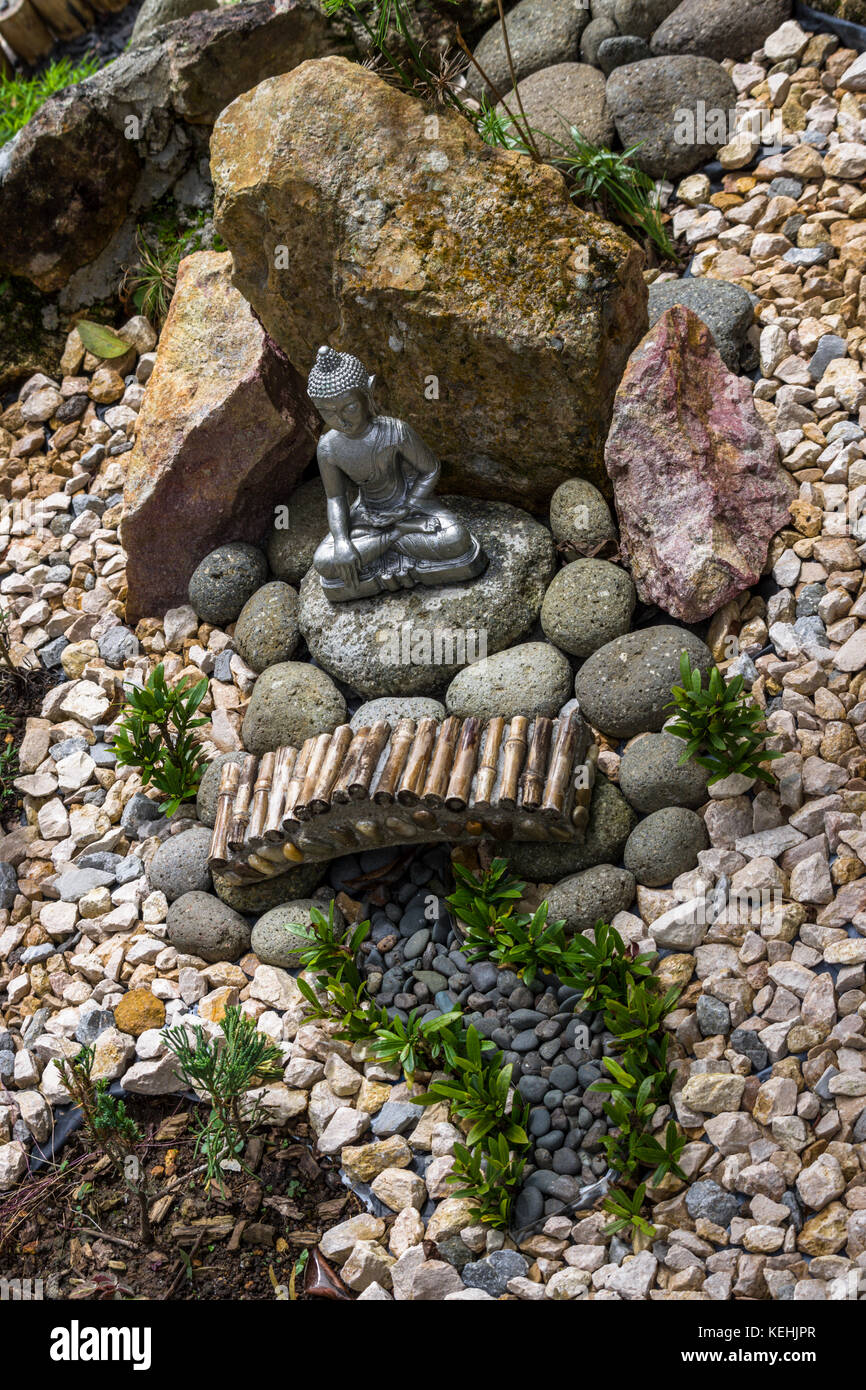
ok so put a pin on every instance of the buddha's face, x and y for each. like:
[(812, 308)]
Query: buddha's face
[(349, 412)]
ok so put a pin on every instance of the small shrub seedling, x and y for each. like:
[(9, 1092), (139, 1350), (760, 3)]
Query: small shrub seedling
[(109, 1129), (479, 1094), (417, 1041), (720, 725), (225, 1069), (489, 1177), (625, 1208), (611, 179), (155, 734)]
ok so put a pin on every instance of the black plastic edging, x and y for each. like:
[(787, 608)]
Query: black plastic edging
[(850, 35)]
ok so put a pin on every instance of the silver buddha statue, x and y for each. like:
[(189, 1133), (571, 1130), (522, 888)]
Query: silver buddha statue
[(395, 534)]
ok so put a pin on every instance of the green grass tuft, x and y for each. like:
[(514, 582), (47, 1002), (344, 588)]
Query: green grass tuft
[(21, 97)]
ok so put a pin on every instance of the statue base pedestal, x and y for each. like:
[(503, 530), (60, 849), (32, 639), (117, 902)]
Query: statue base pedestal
[(413, 641)]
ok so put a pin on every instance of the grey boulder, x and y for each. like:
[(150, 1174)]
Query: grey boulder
[(273, 940), (664, 845), (641, 17), (393, 708), (291, 702), (200, 925), (180, 864), (532, 679), (297, 532), (588, 604), (580, 518), (611, 821), (720, 28), (266, 632), (650, 775), (558, 98), (252, 899), (540, 33), (624, 687), (224, 580), (655, 105), (596, 895)]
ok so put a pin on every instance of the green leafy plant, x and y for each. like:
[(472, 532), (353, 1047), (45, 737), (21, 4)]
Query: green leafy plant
[(497, 128), (524, 943), (482, 902), (225, 1068), (600, 966), (110, 1129), (606, 965), (8, 757), (625, 1208), (21, 97), (331, 952), (479, 1090), (161, 245), (489, 1178), (151, 281), (637, 1019), (155, 734), (722, 727), (631, 1105), (479, 1095), (418, 1040), (610, 179)]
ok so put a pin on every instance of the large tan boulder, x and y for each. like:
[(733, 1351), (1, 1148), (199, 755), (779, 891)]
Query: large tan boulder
[(224, 432), (498, 316)]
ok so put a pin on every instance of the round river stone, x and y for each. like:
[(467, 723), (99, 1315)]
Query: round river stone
[(180, 864), (224, 580), (540, 33), (414, 641), (644, 99), (559, 97), (267, 629), (650, 776), (291, 547), (532, 679), (395, 707), (580, 518), (290, 703), (597, 894), (625, 686), (275, 943), (198, 923), (588, 604), (664, 845)]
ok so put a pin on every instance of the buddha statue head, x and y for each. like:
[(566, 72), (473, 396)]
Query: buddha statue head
[(342, 391)]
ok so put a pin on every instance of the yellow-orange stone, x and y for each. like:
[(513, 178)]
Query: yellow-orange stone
[(139, 1010)]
